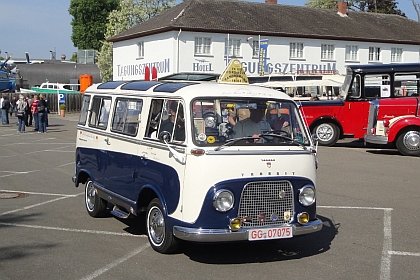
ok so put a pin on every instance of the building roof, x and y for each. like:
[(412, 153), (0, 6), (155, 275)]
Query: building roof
[(251, 18)]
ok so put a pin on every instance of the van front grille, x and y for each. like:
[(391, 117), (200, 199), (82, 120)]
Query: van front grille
[(266, 203)]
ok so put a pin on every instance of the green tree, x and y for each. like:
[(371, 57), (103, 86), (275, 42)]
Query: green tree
[(89, 21), (416, 6), (376, 6), (324, 4), (372, 6), (128, 14)]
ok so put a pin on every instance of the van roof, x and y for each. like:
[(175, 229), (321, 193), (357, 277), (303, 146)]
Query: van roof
[(185, 89)]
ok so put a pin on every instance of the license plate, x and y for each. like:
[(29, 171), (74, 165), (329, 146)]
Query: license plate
[(270, 233)]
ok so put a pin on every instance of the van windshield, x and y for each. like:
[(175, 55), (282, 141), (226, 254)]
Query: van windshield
[(247, 122)]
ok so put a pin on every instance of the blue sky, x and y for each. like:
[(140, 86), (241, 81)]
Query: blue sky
[(41, 26)]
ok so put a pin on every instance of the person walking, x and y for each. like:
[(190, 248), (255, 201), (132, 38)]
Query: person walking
[(21, 113), (5, 107), (34, 111), (42, 108)]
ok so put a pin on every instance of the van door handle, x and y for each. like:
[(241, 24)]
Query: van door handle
[(107, 141)]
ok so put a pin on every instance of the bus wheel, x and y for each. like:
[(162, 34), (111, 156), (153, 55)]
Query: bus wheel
[(327, 134), (95, 206), (408, 142), (160, 238)]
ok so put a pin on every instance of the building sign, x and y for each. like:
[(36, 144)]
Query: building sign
[(140, 68), (252, 67), (263, 56), (202, 66)]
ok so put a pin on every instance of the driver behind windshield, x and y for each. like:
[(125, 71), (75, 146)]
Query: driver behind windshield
[(254, 125)]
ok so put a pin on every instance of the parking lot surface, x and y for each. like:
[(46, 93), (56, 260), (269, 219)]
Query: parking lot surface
[(367, 200)]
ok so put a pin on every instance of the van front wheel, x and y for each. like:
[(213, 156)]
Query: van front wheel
[(327, 133), (160, 238), (95, 206)]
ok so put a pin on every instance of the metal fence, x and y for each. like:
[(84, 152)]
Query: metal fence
[(73, 101)]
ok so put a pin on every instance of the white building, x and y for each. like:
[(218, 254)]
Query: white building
[(193, 36)]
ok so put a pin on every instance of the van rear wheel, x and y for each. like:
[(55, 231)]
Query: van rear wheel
[(160, 238), (408, 142), (327, 133), (95, 206)]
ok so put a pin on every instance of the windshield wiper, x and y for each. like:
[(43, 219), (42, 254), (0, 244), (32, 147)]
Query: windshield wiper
[(233, 141), (291, 140)]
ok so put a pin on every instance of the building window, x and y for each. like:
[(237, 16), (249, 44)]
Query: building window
[(234, 47), (396, 54), (140, 49), (255, 48), (374, 53), (296, 50), (327, 52), (351, 53), (202, 45)]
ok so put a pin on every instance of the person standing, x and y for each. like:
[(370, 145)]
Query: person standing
[(42, 108), (34, 111), (21, 113), (5, 107), (29, 116), (1, 104), (13, 104)]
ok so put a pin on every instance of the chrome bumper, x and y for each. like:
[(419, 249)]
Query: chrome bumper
[(224, 235), (376, 139)]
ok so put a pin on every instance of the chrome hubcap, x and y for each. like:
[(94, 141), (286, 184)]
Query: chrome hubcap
[(411, 140), (324, 132), (156, 225), (90, 196)]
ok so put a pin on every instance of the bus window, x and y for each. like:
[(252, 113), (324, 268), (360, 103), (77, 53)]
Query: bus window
[(100, 112), (127, 116), (84, 110), (354, 91)]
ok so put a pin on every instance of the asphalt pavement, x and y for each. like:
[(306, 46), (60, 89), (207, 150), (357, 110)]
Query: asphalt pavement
[(367, 199)]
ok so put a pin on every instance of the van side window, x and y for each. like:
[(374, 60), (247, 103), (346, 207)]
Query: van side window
[(84, 110), (100, 112), (153, 122), (127, 116), (166, 115)]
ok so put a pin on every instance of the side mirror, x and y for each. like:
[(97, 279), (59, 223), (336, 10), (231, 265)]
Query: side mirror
[(164, 136)]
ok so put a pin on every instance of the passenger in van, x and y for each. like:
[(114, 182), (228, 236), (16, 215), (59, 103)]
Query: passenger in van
[(254, 125), (168, 124)]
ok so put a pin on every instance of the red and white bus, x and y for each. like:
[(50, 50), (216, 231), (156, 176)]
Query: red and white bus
[(347, 115)]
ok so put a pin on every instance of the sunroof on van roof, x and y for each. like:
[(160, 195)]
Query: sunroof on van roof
[(171, 87), (140, 85), (110, 85)]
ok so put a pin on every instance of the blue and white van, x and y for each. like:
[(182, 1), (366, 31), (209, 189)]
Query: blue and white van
[(171, 149)]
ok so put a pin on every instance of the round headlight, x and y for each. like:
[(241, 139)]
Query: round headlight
[(223, 200), (307, 195)]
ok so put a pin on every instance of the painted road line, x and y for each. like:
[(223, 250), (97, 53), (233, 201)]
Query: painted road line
[(115, 263), (399, 253), (46, 194), (72, 230)]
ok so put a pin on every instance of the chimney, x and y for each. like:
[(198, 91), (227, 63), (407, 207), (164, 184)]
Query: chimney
[(270, 1), (342, 8)]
